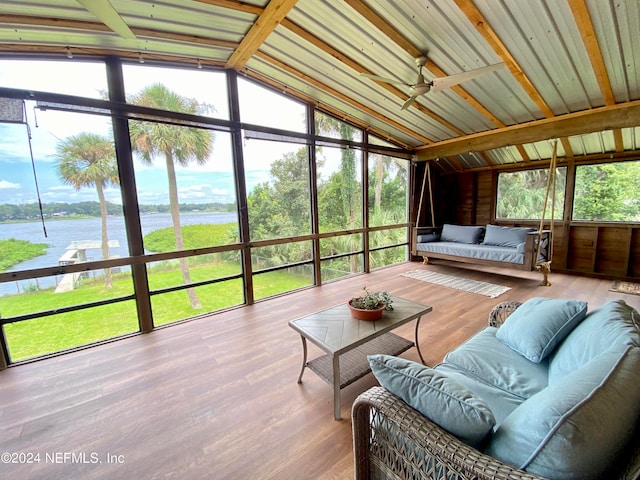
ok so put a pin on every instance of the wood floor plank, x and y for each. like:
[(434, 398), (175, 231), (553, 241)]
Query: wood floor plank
[(217, 397)]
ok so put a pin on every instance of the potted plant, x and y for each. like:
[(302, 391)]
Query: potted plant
[(370, 305)]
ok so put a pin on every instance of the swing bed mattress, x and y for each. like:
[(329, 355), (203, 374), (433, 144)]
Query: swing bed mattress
[(513, 247)]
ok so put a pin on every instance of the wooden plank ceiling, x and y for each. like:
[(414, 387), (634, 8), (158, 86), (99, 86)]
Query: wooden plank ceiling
[(571, 67)]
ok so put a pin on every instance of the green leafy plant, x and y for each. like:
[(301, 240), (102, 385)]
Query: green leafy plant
[(372, 300)]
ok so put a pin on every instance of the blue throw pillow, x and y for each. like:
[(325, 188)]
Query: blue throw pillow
[(461, 233), (441, 399), (614, 323), (575, 428), (539, 324), (505, 236), (428, 237)]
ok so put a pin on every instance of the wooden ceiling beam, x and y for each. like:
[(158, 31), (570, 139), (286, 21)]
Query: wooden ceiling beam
[(590, 40), (10, 19), (269, 19), (100, 27), (395, 36), (325, 108), (235, 5), (488, 33), (589, 159), (588, 121), (326, 88), (335, 53)]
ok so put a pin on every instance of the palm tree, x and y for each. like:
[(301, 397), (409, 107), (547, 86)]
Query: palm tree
[(177, 144), (386, 165), (88, 159)]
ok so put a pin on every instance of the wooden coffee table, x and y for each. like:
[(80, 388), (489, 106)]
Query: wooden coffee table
[(348, 341)]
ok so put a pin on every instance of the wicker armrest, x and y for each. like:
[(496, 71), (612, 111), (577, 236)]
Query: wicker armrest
[(500, 312), (392, 440)]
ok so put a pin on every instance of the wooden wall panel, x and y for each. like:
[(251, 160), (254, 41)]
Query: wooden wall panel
[(582, 248), (634, 253), (484, 210), (612, 250), (560, 242), (466, 201)]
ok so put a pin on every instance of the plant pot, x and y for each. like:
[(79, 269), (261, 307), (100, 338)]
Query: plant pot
[(370, 315)]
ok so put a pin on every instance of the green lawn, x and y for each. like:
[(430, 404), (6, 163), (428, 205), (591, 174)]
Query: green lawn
[(44, 335), (14, 251)]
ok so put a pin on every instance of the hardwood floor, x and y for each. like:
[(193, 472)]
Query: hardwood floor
[(217, 397)]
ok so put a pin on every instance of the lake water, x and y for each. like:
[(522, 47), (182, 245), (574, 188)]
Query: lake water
[(60, 234)]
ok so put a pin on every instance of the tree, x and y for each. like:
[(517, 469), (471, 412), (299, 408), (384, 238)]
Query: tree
[(88, 159), (607, 192), (349, 189), (280, 208), (522, 194), (387, 189), (178, 145)]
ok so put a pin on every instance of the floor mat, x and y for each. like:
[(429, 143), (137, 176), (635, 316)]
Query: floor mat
[(472, 286), (625, 287)]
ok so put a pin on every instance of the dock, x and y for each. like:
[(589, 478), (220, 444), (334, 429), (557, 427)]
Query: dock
[(76, 252)]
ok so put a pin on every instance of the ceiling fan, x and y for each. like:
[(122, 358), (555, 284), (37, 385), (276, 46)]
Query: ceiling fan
[(421, 86), (108, 15)]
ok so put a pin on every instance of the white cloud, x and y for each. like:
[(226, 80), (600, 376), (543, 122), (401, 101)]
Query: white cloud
[(5, 185)]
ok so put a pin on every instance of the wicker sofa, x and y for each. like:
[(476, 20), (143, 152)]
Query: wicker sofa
[(577, 417)]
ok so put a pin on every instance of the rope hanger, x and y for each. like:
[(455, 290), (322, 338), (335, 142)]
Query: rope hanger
[(545, 267)]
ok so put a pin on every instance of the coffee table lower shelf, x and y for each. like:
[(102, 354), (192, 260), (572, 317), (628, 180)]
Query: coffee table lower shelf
[(354, 363)]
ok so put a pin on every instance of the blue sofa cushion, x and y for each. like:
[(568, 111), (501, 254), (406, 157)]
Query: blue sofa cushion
[(613, 323), (539, 324), (443, 400), (461, 233), (505, 236), (574, 428), (484, 252), (487, 359), (428, 237), (500, 402)]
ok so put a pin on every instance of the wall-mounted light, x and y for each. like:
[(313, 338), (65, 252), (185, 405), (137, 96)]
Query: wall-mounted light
[(140, 59), (199, 64), (69, 54)]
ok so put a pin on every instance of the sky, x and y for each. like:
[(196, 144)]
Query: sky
[(212, 182)]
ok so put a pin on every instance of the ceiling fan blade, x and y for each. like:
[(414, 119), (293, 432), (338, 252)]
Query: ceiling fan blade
[(382, 79), (409, 102), (452, 80), (109, 16)]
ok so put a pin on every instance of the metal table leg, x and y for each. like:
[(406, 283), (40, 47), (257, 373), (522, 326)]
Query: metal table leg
[(417, 342), (304, 357), (336, 387)]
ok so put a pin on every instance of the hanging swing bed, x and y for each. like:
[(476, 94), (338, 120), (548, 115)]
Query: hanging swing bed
[(508, 247)]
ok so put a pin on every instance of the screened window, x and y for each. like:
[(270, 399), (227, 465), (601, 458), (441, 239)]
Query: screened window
[(205, 90), (75, 77), (278, 189), (77, 181), (339, 188), (387, 201), (186, 192), (521, 195), (608, 192), (328, 126), (261, 106)]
